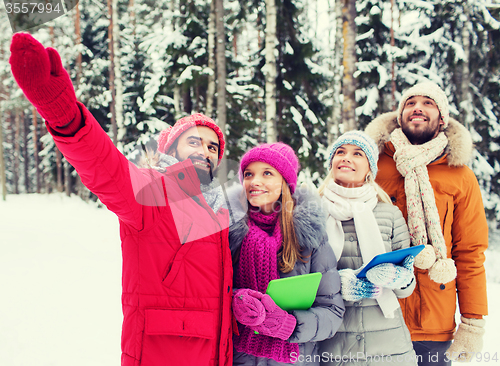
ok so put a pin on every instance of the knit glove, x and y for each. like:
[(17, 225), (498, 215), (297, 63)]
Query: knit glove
[(354, 288), (247, 308), (468, 340), (392, 276), (278, 323), (40, 74)]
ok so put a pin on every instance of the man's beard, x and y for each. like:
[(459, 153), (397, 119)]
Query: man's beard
[(419, 137), (204, 176)]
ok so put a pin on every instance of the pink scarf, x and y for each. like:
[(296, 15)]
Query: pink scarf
[(257, 266)]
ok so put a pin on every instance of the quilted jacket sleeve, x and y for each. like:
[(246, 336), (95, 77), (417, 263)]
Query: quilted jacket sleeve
[(323, 319), (106, 172)]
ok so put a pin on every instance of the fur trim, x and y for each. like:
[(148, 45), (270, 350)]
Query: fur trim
[(459, 148), (308, 217)]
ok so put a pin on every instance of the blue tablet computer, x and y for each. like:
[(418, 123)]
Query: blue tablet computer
[(396, 257)]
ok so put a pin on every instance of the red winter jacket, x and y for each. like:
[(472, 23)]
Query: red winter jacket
[(177, 272)]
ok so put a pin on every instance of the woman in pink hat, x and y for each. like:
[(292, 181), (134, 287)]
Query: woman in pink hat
[(282, 234)]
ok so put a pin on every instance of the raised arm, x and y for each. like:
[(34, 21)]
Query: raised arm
[(102, 168)]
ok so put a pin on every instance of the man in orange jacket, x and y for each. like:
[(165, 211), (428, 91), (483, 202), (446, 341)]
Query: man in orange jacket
[(423, 168)]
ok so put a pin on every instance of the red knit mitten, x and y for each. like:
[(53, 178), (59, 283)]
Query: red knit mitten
[(40, 74)]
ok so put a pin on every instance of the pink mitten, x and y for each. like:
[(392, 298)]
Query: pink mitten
[(247, 308), (40, 74), (278, 323)]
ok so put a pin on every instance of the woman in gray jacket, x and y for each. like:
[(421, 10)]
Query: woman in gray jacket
[(362, 223), (281, 234)]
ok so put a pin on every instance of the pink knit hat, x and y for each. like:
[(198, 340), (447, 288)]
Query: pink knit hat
[(279, 155), (170, 135)]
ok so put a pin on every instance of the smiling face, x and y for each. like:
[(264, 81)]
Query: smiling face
[(420, 119), (350, 166), (200, 144), (262, 184)]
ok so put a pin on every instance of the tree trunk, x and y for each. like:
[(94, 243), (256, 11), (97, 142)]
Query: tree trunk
[(177, 88), (211, 60), (173, 22), (3, 178), (59, 170), (17, 151), (177, 98), (466, 107), (78, 41), (47, 177), (349, 83), (111, 44), (25, 127), (270, 71), (58, 153), (221, 75), (235, 49), (68, 186), (393, 61), (35, 151), (78, 187), (3, 122), (67, 178), (333, 126), (120, 128)]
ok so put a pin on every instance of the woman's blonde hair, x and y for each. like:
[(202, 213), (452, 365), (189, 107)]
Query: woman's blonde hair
[(289, 253), (381, 194)]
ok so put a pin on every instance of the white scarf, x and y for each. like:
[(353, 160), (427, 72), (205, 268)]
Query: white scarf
[(343, 204), (423, 216)]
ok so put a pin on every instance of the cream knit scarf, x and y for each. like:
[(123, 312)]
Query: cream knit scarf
[(423, 217), (343, 204)]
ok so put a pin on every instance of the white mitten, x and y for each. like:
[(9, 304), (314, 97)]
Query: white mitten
[(354, 288), (468, 340), (392, 276)]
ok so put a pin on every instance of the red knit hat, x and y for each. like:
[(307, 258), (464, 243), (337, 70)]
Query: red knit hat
[(170, 135)]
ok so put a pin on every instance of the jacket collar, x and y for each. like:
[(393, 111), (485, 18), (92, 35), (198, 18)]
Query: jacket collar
[(458, 152)]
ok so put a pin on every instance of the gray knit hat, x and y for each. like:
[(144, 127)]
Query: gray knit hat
[(431, 90)]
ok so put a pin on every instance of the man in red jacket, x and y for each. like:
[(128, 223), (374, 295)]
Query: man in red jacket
[(177, 272)]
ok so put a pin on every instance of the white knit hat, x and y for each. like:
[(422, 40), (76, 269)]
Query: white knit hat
[(431, 90)]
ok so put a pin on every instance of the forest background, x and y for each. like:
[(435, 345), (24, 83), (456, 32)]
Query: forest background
[(296, 71)]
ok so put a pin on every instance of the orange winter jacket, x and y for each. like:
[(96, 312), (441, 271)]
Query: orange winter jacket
[(430, 311)]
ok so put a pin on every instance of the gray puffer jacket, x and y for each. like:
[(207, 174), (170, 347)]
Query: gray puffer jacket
[(366, 337), (323, 319)]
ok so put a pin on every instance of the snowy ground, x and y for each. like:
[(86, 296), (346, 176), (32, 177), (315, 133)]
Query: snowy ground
[(60, 287)]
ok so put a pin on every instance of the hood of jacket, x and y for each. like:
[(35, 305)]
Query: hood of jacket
[(309, 218), (458, 151)]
